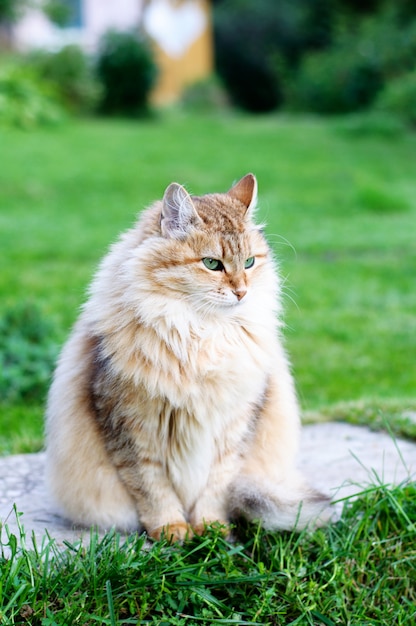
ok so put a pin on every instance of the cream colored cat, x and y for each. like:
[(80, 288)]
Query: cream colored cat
[(172, 404)]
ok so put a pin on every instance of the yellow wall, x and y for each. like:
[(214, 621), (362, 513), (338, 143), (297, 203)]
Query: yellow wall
[(175, 73)]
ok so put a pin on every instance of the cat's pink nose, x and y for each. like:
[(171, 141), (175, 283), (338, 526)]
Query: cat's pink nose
[(240, 293)]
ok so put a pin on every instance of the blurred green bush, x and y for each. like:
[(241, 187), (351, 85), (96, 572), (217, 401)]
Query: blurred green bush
[(72, 76), (27, 354), (127, 71), (205, 96), (258, 42), (365, 56), (25, 100), (335, 81), (399, 97)]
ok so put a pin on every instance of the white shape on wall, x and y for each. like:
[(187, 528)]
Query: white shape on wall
[(174, 28)]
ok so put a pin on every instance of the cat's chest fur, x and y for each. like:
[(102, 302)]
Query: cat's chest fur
[(190, 393)]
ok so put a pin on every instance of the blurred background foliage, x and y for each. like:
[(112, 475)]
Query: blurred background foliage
[(122, 58), (28, 350), (323, 56), (320, 56), (326, 57)]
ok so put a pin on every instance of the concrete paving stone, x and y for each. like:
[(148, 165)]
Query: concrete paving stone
[(339, 459)]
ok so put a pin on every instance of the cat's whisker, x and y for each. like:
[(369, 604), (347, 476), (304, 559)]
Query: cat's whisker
[(288, 292), (280, 240)]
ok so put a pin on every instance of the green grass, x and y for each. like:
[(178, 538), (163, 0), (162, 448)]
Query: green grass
[(360, 570), (340, 202), (341, 212)]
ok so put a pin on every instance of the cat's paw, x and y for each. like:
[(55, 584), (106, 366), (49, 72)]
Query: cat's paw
[(173, 532), (202, 527)]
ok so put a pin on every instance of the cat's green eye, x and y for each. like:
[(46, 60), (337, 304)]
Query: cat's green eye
[(249, 262), (213, 264)]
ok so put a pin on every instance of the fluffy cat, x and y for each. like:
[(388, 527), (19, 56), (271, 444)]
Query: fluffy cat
[(172, 404)]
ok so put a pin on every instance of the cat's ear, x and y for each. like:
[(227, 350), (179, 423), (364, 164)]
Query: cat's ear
[(245, 190), (178, 212)]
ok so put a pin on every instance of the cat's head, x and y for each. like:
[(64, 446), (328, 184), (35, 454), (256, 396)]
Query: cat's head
[(213, 252)]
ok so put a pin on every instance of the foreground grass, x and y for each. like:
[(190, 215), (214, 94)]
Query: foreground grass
[(362, 570), (340, 206)]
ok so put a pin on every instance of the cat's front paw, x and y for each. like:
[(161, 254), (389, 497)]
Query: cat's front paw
[(222, 527), (173, 532)]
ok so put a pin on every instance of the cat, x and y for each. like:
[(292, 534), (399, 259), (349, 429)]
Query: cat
[(172, 405)]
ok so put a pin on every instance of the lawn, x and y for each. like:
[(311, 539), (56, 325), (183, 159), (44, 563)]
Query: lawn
[(339, 201), (339, 198)]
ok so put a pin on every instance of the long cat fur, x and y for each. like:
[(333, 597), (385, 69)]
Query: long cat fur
[(172, 404)]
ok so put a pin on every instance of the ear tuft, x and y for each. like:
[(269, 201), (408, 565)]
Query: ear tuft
[(245, 191), (178, 212)]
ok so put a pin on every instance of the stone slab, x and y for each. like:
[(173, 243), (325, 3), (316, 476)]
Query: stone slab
[(339, 459)]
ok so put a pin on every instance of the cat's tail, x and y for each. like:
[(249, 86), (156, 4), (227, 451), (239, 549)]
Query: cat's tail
[(284, 506)]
